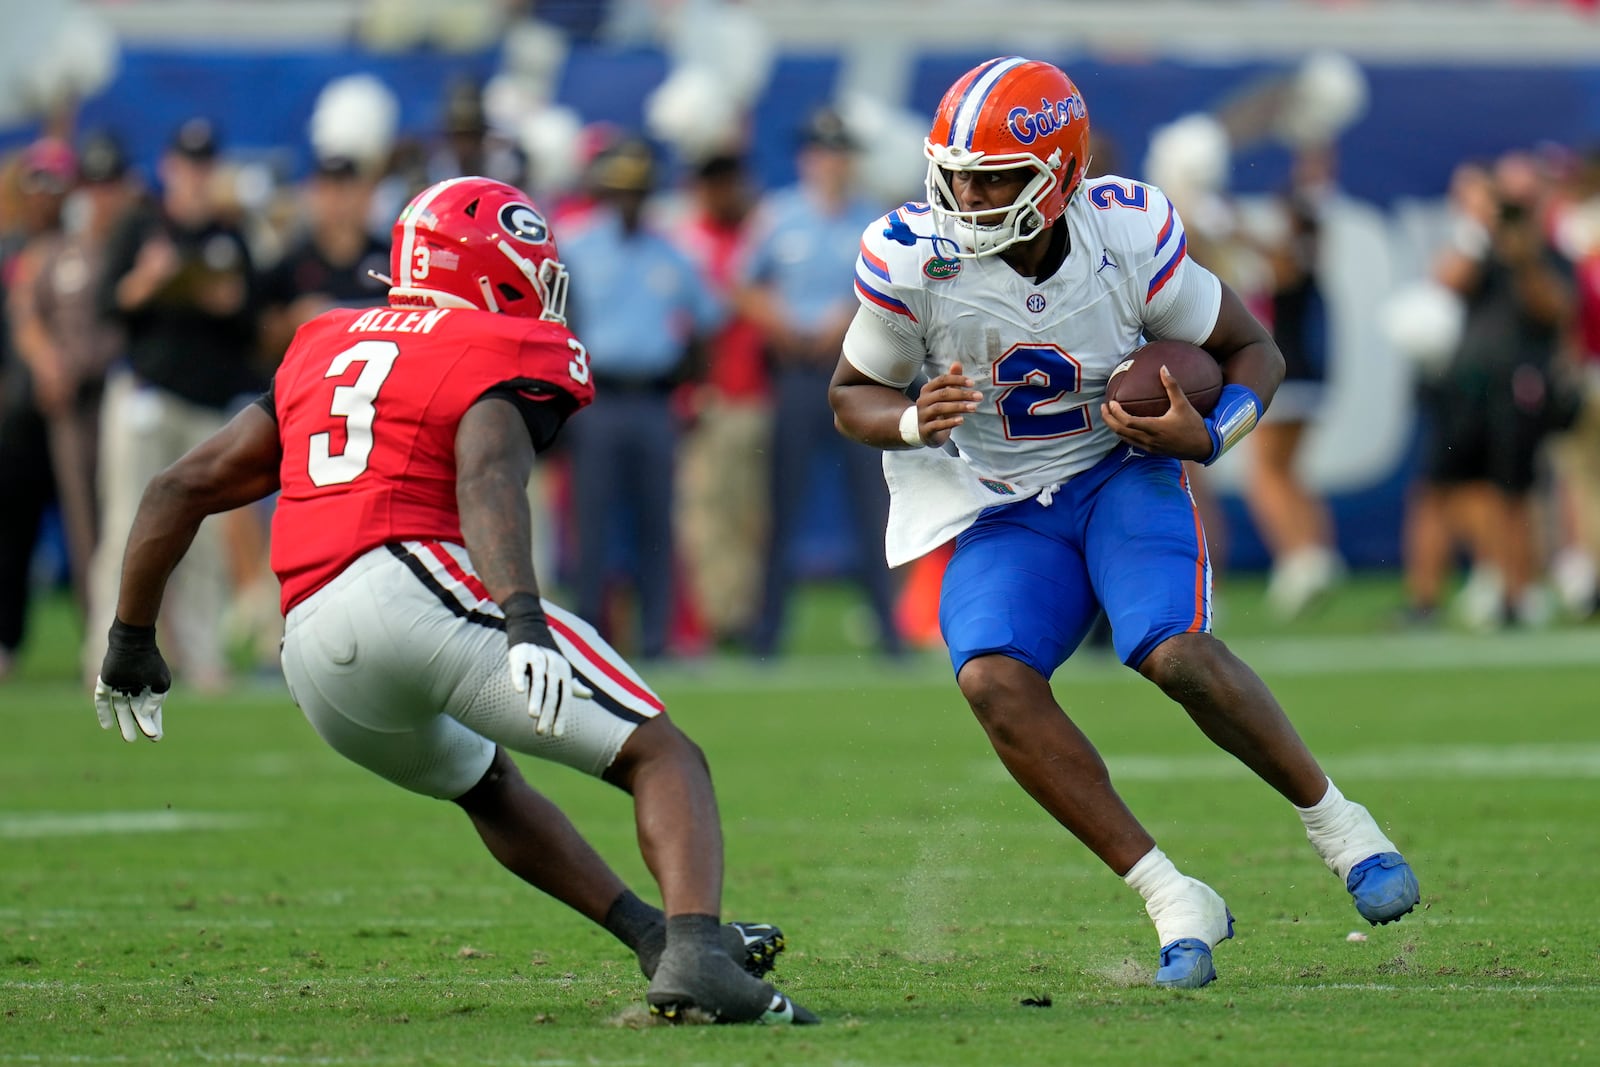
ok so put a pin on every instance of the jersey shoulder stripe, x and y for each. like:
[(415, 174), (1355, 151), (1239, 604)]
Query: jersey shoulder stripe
[(888, 271), (1165, 272), (874, 263), (1166, 229), (884, 300)]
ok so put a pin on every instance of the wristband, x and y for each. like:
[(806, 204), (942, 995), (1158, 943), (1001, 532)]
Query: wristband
[(126, 638), (911, 429), (525, 621), (133, 662), (1237, 411)]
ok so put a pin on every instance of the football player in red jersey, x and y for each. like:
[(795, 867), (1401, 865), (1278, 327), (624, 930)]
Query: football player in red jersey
[(400, 439)]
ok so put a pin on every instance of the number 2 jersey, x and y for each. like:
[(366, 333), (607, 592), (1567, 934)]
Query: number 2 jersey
[(1040, 352), (368, 403)]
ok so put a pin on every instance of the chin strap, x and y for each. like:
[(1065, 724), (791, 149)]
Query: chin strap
[(1236, 414)]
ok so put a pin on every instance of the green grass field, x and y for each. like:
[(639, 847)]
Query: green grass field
[(238, 894)]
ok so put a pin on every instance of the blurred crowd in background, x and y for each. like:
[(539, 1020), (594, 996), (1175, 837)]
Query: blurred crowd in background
[(145, 305)]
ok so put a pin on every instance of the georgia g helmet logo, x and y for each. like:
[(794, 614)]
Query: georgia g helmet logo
[(524, 223), (473, 242)]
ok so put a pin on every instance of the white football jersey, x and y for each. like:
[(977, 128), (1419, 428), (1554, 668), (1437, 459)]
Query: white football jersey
[(1040, 353)]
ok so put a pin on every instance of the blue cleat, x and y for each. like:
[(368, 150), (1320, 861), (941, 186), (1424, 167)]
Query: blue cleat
[(1186, 962), (1384, 887)]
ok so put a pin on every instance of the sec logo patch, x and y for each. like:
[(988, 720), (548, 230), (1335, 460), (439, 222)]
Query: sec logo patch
[(1035, 302)]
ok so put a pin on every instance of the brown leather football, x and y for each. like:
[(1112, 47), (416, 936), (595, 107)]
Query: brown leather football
[(1136, 383)]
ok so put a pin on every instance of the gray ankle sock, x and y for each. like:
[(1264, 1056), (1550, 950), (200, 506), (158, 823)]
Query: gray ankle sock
[(632, 921), (694, 933)]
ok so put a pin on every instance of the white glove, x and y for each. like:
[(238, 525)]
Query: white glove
[(546, 676), (135, 714)]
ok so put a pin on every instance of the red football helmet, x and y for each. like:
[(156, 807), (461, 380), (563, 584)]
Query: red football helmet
[(1001, 115), (477, 243)]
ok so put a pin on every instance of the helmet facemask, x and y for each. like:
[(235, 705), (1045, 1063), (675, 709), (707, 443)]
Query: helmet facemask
[(549, 281), (987, 232)]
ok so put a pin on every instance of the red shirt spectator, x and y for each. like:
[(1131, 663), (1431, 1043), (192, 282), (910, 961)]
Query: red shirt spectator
[(712, 235)]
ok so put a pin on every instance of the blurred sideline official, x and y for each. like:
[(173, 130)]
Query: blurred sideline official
[(641, 307), (797, 290)]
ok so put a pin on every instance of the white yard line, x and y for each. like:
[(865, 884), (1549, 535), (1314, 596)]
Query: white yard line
[(15, 825), (1274, 657), (1384, 653), (195, 1055), (1565, 761)]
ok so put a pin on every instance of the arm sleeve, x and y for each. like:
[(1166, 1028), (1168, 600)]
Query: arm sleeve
[(887, 355), (1181, 298), (268, 402), (544, 408)]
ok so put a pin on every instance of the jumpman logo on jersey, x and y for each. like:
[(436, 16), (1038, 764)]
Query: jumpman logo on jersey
[(1106, 261)]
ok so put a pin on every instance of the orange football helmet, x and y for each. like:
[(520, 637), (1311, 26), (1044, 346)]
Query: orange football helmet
[(1002, 115), (477, 243)]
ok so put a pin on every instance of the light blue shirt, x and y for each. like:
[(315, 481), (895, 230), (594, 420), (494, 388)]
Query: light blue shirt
[(634, 299), (806, 256)]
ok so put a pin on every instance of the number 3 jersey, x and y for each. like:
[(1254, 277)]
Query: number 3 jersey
[(368, 403), (1040, 352)]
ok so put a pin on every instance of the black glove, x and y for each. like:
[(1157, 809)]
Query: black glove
[(525, 621), (133, 663)]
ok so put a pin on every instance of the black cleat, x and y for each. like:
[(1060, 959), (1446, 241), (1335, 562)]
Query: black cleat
[(781, 1012), (756, 948), (753, 946)]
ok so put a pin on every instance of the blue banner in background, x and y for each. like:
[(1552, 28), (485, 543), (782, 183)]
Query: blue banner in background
[(1421, 122), (262, 101)]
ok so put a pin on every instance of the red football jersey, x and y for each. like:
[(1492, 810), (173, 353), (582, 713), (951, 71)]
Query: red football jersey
[(368, 402)]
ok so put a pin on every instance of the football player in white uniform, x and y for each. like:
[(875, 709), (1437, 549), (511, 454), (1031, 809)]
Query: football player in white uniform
[(1015, 291)]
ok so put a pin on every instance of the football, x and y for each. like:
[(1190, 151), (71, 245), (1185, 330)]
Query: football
[(1136, 383)]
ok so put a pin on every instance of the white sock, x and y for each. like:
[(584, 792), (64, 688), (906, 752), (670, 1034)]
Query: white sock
[(1180, 906), (1153, 875), (1343, 832)]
